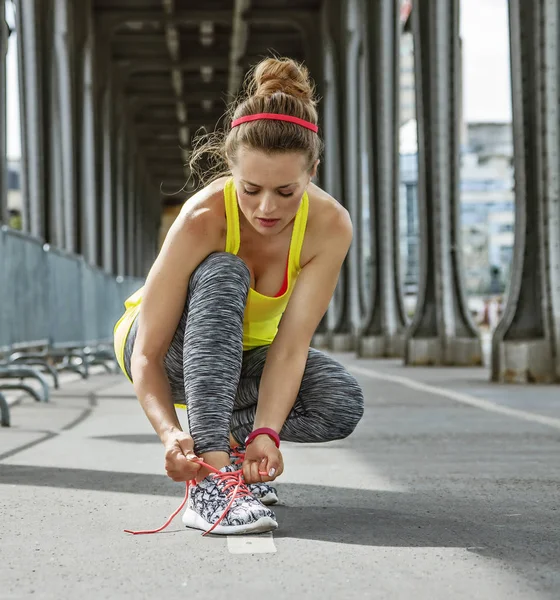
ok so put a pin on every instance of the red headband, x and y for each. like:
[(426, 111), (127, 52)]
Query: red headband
[(275, 117)]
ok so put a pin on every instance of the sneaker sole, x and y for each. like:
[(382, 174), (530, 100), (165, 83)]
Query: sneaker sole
[(269, 499), (193, 520)]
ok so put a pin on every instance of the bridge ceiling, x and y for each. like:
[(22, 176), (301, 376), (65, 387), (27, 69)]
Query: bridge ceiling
[(177, 65)]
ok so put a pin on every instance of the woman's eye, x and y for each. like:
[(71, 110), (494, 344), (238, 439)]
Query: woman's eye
[(286, 195), (251, 193)]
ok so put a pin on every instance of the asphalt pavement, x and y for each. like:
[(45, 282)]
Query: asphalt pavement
[(448, 490)]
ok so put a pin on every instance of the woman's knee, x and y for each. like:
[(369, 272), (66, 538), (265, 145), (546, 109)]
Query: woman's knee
[(221, 268), (339, 396), (349, 407)]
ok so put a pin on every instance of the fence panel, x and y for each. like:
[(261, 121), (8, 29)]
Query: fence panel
[(4, 306), (25, 293), (65, 299), (49, 297), (89, 308)]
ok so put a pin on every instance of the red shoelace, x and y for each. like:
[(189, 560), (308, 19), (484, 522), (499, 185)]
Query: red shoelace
[(233, 485)]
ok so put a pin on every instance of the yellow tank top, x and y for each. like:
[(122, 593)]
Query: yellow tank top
[(263, 313)]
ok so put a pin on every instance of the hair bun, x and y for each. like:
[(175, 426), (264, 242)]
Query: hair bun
[(284, 75)]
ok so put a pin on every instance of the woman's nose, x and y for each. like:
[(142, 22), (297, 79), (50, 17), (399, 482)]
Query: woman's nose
[(267, 206)]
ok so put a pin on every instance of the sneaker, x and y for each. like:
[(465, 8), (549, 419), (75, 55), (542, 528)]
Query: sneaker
[(264, 492), (207, 506)]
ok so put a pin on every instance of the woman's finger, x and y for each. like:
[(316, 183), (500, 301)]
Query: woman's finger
[(255, 477)]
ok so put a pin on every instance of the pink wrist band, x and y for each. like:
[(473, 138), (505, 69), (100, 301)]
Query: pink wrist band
[(263, 431)]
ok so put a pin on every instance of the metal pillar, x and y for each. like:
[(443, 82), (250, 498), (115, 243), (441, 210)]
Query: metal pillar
[(4, 216), (55, 212), (89, 223), (64, 52), (335, 15), (120, 198), (352, 156), (141, 240), (108, 223), (32, 56), (131, 213), (383, 332), (330, 180), (442, 332), (526, 343)]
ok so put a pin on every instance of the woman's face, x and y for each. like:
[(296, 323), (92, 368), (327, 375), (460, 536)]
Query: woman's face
[(270, 187)]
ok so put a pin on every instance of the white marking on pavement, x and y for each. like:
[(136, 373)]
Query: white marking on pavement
[(251, 544), (460, 397)]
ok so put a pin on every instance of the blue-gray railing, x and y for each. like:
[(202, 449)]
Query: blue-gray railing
[(55, 306)]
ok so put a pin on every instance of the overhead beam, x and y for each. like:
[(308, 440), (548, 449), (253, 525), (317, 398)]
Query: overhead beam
[(163, 127), (145, 99), (129, 67), (113, 19), (193, 121)]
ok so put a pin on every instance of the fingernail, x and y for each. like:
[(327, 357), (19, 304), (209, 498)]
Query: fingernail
[(271, 472)]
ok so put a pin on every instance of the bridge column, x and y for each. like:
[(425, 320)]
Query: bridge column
[(64, 56), (120, 238), (89, 196), (385, 323), (4, 216), (526, 343), (335, 14), (131, 213), (442, 332), (107, 161), (352, 192), (33, 95)]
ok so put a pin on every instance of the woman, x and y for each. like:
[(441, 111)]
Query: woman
[(225, 320)]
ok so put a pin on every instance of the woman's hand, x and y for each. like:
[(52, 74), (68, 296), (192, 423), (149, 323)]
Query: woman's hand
[(262, 456), (179, 455)]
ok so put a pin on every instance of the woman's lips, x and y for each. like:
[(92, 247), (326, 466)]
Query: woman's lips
[(268, 222)]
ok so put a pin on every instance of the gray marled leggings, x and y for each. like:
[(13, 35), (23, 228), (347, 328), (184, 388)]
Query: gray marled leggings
[(209, 371)]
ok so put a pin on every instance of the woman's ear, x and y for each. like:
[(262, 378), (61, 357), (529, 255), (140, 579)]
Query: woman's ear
[(313, 172)]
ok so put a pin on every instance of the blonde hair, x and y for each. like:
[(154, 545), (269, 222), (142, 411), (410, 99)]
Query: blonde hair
[(274, 85)]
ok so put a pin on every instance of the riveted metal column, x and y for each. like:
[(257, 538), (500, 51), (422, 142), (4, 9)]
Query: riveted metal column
[(55, 212), (4, 216), (120, 195), (313, 39), (33, 53), (383, 332), (64, 53), (334, 19), (330, 177), (352, 160), (442, 332), (108, 156), (526, 343), (131, 213), (143, 239), (148, 228), (88, 180)]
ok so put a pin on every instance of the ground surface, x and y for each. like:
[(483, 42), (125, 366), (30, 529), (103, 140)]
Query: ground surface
[(449, 489)]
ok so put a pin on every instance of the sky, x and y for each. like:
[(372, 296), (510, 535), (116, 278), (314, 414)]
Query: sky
[(486, 88)]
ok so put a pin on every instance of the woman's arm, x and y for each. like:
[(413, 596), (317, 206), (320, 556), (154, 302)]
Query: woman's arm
[(195, 234)]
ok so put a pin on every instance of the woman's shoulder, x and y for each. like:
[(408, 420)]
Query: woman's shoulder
[(203, 214), (328, 223), (207, 201), (326, 214)]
